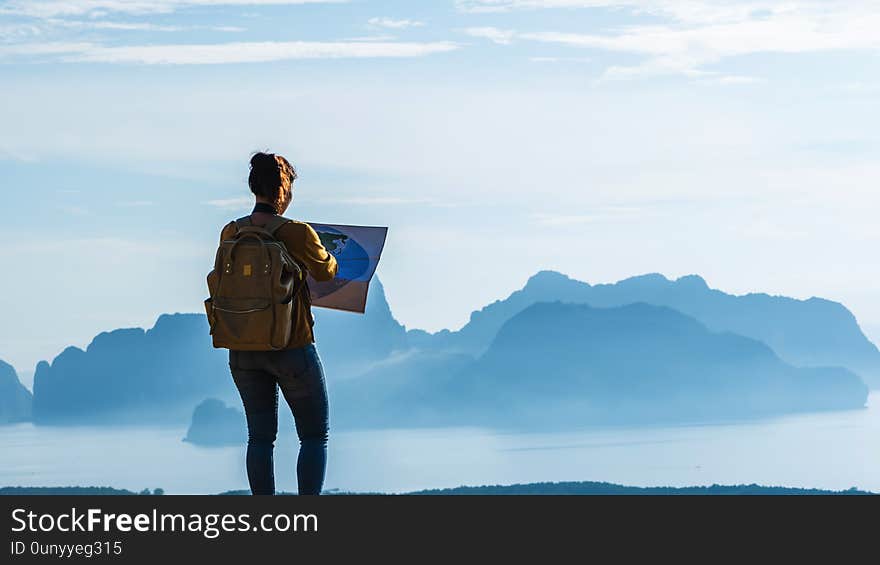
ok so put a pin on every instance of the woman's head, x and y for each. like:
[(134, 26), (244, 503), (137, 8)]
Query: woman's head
[(271, 180)]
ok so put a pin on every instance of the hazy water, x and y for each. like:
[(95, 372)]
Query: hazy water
[(835, 450)]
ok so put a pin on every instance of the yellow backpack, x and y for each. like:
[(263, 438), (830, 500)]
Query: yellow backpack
[(253, 288)]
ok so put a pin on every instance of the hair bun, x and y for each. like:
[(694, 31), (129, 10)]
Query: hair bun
[(263, 161)]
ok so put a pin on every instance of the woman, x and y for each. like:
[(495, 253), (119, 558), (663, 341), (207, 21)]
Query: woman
[(296, 369)]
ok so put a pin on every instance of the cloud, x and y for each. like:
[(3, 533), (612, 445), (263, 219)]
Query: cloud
[(116, 26), (380, 201), (100, 8), (238, 203), (693, 35), (47, 28), (560, 59), (232, 203), (371, 38), (49, 48), (488, 6), (222, 53), (499, 36), (101, 249), (394, 24), (688, 11), (13, 32), (133, 26)]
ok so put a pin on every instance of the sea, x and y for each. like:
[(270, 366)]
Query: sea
[(826, 450)]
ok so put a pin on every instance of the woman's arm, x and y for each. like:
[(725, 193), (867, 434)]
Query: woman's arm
[(319, 262)]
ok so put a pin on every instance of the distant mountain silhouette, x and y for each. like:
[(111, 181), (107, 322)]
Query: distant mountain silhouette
[(132, 375), (159, 375), (645, 363), (516, 363), (216, 424), (15, 399), (810, 333), (561, 365)]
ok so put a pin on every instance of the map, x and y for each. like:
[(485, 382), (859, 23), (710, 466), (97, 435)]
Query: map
[(357, 250)]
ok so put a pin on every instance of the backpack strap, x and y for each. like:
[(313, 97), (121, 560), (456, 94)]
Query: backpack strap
[(243, 222), (272, 226)]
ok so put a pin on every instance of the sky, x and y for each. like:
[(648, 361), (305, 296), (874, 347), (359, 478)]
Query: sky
[(496, 138)]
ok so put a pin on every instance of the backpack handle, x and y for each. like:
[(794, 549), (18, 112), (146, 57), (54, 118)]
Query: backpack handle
[(241, 236)]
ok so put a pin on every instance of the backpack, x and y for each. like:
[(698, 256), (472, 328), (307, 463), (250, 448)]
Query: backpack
[(253, 289)]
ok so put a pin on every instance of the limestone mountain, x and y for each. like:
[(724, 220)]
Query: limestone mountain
[(809, 333), (15, 399), (563, 365)]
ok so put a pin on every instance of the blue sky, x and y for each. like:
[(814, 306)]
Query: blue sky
[(735, 140)]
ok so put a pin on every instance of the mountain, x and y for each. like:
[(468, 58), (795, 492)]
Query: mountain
[(561, 365), (133, 376), (159, 375), (216, 424), (810, 333), (645, 363), (15, 399), (545, 363)]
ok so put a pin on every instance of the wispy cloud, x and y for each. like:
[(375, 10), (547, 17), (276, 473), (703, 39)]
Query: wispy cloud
[(134, 26), (13, 32), (380, 201), (100, 248), (48, 48), (698, 33), (560, 59), (391, 23), (238, 203), (494, 34), (100, 8), (49, 28), (223, 53), (371, 38), (231, 203)]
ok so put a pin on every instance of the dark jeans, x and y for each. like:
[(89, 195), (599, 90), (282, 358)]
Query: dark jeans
[(300, 375)]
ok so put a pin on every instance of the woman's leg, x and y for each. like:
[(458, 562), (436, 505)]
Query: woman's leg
[(259, 394), (306, 393)]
